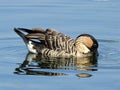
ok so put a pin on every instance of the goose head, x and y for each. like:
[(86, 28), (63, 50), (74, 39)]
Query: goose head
[(86, 44)]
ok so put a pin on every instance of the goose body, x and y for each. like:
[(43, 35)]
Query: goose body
[(52, 43)]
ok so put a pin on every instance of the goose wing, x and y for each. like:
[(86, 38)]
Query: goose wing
[(51, 38)]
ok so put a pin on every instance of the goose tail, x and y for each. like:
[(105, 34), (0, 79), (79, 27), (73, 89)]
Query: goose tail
[(21, 34)]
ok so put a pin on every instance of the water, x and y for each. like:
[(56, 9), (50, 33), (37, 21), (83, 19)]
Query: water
[(97, 17)]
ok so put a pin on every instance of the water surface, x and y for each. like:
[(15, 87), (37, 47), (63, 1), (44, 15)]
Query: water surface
[(20, 70)]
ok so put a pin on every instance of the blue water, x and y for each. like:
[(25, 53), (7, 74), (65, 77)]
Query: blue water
[(97, 17)]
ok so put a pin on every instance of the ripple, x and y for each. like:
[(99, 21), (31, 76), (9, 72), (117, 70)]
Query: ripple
[(10, 38), (31, 5), (109, 41), (102, 0)]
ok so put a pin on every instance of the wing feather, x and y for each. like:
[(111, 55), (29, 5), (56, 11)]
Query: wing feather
[(51, 38)]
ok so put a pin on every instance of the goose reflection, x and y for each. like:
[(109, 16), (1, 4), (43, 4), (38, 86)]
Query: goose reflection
[(39, 65)]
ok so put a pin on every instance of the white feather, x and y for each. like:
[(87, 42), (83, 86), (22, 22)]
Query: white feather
[(30, 47)]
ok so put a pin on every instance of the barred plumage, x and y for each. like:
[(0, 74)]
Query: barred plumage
[(55, 44)]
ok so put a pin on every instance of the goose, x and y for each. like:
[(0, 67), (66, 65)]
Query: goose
[(49, 42)]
